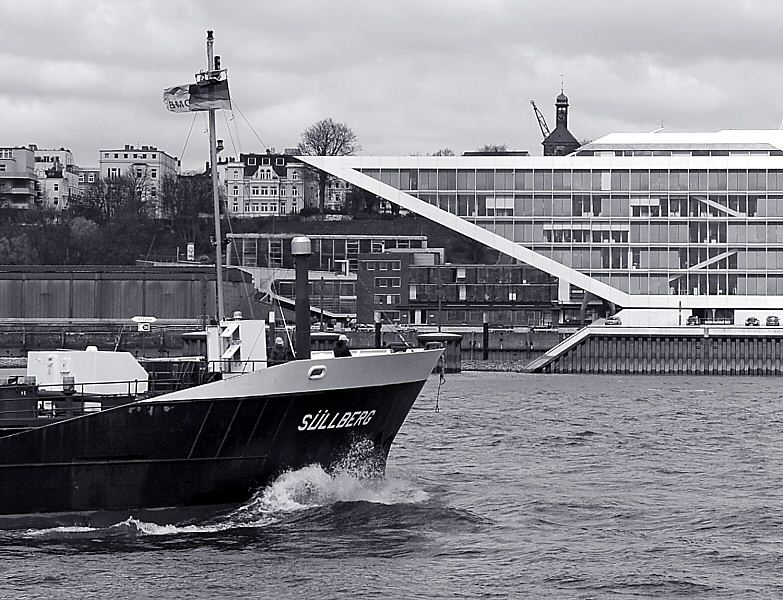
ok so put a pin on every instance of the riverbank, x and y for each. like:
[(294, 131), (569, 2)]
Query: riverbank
[(505, 366), (12, 362)]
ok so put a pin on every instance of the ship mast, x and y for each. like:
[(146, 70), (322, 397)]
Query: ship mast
[(214, 71)]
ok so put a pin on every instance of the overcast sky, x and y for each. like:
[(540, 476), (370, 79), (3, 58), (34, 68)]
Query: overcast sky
[(406, 76)]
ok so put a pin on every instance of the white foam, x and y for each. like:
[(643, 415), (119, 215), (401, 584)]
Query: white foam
[(311, 487), (57, 530), (147, 528)]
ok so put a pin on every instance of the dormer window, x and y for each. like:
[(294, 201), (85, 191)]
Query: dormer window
[(265, 161), (280, 162), (251, 160)]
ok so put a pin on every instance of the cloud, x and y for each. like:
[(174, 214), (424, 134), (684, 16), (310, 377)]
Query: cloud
[(407, 76)]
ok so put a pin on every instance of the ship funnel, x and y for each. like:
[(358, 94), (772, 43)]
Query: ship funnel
[(301, 250)]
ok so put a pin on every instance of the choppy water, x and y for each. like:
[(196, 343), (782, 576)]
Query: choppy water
[(522, 486)]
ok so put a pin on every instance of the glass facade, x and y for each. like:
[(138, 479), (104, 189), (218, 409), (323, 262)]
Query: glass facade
[(330, 252), (643, 229)]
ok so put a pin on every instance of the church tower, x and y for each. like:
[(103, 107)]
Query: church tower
[(560, 142)]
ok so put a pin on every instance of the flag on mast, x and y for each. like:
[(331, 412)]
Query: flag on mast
[(206, 94)]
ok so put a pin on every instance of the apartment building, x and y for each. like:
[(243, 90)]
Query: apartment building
[(18, 183), (147, 164), (58, 177)]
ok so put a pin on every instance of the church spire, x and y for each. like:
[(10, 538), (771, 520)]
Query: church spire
[(560, 142)]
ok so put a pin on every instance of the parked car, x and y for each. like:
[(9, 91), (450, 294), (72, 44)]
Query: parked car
[(752, 322), (613, 320), (693, 320), (773, 321)]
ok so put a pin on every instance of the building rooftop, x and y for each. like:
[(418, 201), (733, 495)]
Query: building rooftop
[(728, 139)]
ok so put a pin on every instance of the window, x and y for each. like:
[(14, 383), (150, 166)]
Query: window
[(254, 190), (154, 173), (81, 175), (264, 161), (294, 192), (235, 190), (275, 253), (91, 178), (381, 282), (56, 187), (251, 160), (396, 265), (280, 162), (370, 265), (2, 168)]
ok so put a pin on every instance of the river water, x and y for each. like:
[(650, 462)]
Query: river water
[(521, 486)]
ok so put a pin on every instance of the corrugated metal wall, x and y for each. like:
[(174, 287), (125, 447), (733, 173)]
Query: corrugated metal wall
[(166, 293)]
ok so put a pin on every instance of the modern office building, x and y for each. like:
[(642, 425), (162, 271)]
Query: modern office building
[(334, 253), (384, 284), (672, 223), (466, 295)]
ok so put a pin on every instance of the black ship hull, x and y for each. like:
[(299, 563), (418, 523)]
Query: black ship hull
[(188, 456)]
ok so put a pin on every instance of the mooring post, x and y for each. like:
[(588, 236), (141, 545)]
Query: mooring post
[(301, 250), (485, 337), (377, 329)]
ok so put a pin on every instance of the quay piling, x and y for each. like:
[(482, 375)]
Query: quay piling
[(728, 350)]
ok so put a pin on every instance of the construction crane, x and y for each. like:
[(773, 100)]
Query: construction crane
[(541, 121)]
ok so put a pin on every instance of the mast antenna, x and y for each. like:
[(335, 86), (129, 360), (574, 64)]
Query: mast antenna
[(213, 70)]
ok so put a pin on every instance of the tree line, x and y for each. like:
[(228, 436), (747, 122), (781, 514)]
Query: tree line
[(119, 220)]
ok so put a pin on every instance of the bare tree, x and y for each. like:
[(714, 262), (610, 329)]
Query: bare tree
[(327, 138), (444, 152), (183, 200), (493, 148)]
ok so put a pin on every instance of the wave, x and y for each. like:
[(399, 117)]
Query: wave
[(304, 489), (312, 487)]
